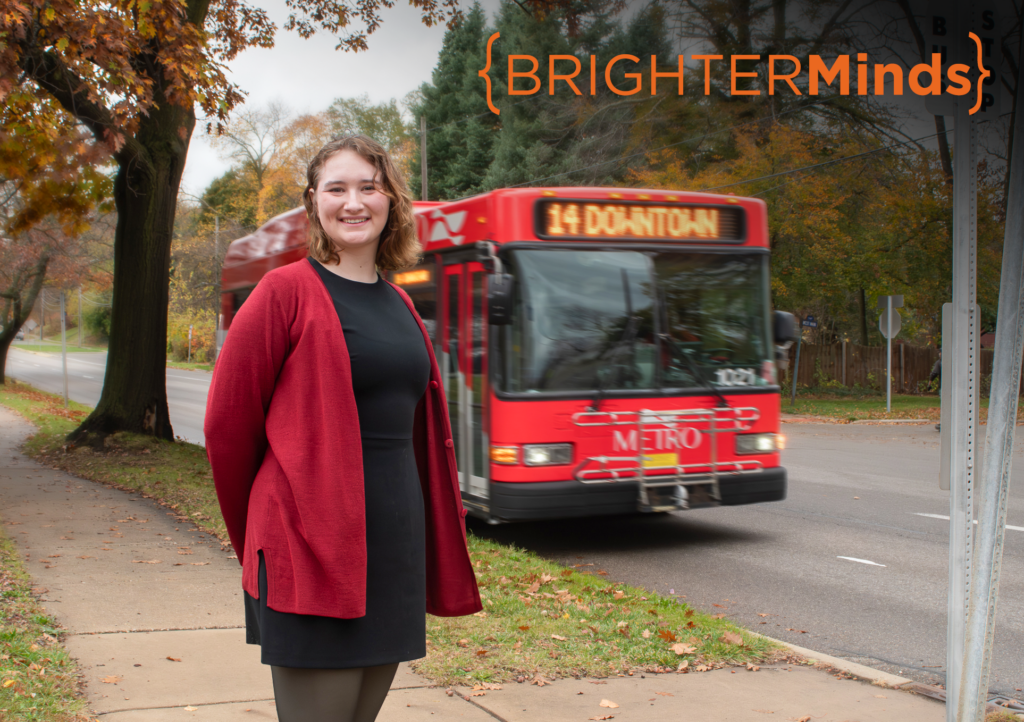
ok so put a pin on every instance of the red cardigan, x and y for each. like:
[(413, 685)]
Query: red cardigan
[(282, 436)]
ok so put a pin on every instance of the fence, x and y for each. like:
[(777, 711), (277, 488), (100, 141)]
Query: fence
[(852, 365)]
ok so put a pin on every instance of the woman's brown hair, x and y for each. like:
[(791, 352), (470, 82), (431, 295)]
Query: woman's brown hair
[(398, 247)]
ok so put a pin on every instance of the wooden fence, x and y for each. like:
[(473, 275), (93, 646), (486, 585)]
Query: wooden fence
[(853, 365)]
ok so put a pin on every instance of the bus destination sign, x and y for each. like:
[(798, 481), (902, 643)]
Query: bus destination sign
[(647, 221)]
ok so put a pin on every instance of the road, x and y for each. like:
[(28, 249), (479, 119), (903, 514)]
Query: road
[(186, 390), (853, 563)]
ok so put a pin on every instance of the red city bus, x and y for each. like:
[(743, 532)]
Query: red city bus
[(604, 350)]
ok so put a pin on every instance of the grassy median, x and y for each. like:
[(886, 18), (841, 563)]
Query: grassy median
[(541, 621)]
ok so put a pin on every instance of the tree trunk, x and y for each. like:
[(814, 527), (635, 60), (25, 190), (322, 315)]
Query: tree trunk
[(5, 343), (863, 319), (150, 165), (17, 309)]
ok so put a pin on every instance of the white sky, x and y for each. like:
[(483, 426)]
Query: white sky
[(307, 75)]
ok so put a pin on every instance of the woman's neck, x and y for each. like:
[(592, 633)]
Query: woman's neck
[(356, 264)]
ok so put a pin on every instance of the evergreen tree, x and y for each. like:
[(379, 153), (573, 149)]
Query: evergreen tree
[(461, 129)]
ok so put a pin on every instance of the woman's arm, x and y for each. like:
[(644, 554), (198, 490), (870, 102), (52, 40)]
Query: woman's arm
[(236, 407)]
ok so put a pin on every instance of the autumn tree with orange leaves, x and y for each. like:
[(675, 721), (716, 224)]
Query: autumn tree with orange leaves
[(132, 73)]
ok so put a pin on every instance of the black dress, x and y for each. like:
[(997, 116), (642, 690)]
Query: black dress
[(390, 370)]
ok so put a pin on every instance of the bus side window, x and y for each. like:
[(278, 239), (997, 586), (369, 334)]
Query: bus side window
[(239, 297), (425, 301)]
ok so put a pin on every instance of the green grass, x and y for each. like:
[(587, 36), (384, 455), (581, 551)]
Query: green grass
[(38, 679), (54, 347), (849, 407), (539, 618), (189, 366)]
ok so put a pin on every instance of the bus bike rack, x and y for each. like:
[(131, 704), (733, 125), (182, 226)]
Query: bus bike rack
[(720, 419)]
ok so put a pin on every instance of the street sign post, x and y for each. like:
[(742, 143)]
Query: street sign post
[(889, 323), (962, 33), (809, 322)]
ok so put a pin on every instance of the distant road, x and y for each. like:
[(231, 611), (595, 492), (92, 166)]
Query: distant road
[(186, 390)]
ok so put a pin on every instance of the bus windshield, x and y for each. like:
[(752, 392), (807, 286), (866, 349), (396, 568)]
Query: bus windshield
[(614, 320)]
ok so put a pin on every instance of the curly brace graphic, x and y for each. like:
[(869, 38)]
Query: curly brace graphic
[(483, 73), (981, 78)]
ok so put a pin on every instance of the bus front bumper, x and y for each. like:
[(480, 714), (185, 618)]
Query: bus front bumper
[(524, 501)]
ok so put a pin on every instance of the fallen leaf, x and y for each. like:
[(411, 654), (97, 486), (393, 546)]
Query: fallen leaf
[(603, 716), (111, 679), (8, 682), (718, 616), (481, 652), (751, 667), (683, 649), (480, 614), (533, 588), (881, 696), (190, 708), (524, 627), (539, 680), (463, 643), (174, 659), (668, 635), (559, 638), (607, 703), (603, 573), (720, 606), (665, 694), (599, 682), (618, 595), (689, 613), (53, 556), (141, 561), (477, 694), (732, 638), (646, 634), (198, 564), (805, 718), (761, 615), (702, 668)]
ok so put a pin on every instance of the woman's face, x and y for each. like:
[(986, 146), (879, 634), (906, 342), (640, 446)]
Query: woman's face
[(351, 207)]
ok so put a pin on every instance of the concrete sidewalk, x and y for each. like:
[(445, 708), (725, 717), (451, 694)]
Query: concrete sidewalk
[(153, 611)]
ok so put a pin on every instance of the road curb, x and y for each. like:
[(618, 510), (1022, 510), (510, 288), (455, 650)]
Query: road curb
[(859, 671), (893, 421)]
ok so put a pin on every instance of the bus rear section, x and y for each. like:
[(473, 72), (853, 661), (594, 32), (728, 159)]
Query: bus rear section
[(605, 351)]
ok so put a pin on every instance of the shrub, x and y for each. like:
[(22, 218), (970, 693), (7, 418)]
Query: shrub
[(97, 321), (204, 332)]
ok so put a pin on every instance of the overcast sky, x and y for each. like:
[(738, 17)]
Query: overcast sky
[(306, 75)]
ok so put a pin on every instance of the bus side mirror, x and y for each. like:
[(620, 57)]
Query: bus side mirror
[(499, 299), (783, 327)]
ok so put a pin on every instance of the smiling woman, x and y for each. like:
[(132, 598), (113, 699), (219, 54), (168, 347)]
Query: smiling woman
[(327, 430)]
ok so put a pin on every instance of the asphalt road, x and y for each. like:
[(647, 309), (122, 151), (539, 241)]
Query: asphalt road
[(852, 564), (186, 390), (855, 491)]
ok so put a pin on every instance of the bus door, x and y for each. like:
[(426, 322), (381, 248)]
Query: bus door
[(465, 372)]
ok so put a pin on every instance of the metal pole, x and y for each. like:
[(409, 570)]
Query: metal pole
[(64, 346), (994, 484), (962, 379), (888, 354), (423, 157), (79, 317), (796, 365)]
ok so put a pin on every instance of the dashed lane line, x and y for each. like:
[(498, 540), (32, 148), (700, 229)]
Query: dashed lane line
[(942, 516)]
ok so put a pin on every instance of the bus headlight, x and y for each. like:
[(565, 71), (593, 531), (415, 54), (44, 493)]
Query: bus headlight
[(547, 454), (757, 444)]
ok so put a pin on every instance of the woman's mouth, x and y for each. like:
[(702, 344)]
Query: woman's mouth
[(353, 221)]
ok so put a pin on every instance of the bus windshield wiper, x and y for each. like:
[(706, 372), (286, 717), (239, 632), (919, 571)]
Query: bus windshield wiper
[(695, 368)]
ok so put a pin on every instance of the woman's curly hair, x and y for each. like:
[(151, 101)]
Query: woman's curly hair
[(398, 248)]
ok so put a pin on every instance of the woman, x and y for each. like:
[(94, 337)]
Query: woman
[(328, 434)]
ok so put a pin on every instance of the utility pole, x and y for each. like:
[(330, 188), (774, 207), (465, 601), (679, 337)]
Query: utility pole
[(423, 157), (64, 345)]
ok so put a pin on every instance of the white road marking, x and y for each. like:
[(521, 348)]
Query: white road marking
[(87, 377), (862, 561), (941, 516)]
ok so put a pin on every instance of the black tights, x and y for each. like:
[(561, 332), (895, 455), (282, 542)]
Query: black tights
[(331, 695)]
